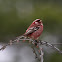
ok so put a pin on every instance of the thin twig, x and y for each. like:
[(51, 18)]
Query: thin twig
[(51, 45), (56, 43), (11, 42), (39, 42), (42, 55)]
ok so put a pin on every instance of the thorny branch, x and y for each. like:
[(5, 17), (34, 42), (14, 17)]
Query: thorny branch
[(35, 42)]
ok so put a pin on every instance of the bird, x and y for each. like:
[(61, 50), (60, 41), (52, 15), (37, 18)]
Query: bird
[(34, 30)]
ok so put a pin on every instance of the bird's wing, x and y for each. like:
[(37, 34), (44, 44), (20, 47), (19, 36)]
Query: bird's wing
[(31, 30)]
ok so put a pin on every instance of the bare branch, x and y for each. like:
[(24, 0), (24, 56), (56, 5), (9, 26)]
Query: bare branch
[(20, 38), (42, 55), (50, 45), (56, 43), (35, 42)]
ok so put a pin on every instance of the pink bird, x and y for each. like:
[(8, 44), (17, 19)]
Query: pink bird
[(34, 30)]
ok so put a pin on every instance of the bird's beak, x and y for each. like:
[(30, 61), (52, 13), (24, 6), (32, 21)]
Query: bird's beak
[(40, 20)]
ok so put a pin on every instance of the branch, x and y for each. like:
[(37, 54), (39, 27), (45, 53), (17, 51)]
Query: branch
[(11, 42), (56, 43), (42, 55), (20, 38), (35, 42), (50, 45)]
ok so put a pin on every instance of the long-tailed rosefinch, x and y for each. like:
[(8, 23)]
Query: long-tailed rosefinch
[(35, 29)]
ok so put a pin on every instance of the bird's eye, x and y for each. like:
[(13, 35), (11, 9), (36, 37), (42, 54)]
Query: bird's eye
[(37, 20)]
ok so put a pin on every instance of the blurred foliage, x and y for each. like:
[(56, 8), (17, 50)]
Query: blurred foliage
[(17, 15), (56, 58)]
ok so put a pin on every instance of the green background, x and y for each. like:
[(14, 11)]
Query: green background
[(17, 15)]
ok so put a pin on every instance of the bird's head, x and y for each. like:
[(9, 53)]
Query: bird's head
[(38, 22)]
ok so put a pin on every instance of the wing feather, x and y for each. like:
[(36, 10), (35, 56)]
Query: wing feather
[(31, 30)]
